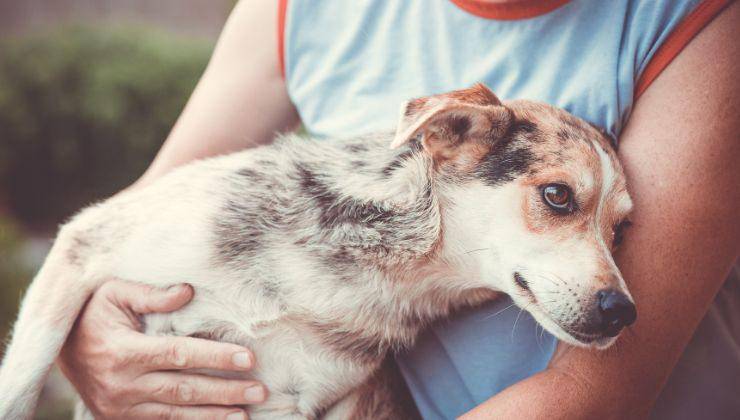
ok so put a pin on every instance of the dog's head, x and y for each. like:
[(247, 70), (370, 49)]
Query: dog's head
[(534, 201)]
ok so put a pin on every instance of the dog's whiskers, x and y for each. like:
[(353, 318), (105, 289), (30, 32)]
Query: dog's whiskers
[(548, 301), (499, 312), (546, 278), (476, 250), (517, 319), (557, 277), (557, 292)]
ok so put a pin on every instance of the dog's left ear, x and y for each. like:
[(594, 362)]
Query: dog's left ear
[(444, 122)]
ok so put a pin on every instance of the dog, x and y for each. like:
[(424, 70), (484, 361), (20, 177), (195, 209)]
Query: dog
[(324, 256)]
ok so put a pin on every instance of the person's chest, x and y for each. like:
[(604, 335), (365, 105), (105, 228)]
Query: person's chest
[(348, 72)]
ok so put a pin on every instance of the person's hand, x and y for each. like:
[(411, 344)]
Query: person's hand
[(122, 373)]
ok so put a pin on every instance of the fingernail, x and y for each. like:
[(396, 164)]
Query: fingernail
[(242, 359), (177, 288), (254, 394), (237, 415)]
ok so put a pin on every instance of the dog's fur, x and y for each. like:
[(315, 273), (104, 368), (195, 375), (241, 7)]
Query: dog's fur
[(323, 256)]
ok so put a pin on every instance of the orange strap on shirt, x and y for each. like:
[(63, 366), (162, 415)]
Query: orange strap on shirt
[(282, 10), (677, 40), (523, 9)]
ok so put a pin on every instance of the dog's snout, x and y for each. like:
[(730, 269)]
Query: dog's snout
[(617, 311)]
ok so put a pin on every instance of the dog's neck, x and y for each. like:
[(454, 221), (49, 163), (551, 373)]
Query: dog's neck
[(379, 210), (371, 204)]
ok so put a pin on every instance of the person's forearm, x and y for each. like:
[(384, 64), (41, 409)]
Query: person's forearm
[(680, 153), (214, 123), (551, 394)]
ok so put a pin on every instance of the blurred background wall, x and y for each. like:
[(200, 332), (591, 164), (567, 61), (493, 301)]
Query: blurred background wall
[(187, 17), (89, 90)]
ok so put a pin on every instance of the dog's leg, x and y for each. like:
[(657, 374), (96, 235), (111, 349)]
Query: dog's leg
[(49, 309), (383, 396), (81, 411)]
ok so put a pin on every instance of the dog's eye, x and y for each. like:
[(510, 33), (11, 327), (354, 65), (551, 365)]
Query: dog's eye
[(619, 232), (559, 197)]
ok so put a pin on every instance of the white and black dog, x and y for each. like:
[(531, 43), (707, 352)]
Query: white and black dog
[(323, 256)]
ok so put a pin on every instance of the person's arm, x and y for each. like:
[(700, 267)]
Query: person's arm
[(680, 150), (240, 101)]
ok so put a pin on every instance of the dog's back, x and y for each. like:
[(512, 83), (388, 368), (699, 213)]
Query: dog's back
[(248, 232)]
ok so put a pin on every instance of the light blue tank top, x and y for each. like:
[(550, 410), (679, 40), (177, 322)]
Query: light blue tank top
[(348, 66)]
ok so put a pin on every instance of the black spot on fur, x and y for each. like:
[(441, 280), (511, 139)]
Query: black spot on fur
[(509, 157), (352, 345), (397, 162), (358, 164), (247, 173), (520, 281), (357, 148), (336, 210), (354, 211), (563, 135), (523, 127), (270, 289), (341, 257), (78, 248), (413, 148), (458, 125), (291, 389), (241, 223), (266, 163), (236, 232), (315, 188)]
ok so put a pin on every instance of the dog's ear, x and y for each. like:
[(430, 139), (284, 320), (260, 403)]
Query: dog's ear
[(478, 94), (444, 122)]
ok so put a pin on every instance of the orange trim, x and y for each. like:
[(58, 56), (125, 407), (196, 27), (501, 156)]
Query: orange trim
[(282, 11), (523, 9), (691, 25)]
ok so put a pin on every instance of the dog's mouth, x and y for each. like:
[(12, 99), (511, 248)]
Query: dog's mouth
[(592, 340), (570, 336), (553, 325)]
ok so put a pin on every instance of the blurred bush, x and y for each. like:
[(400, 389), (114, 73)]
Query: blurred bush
[(16, 270), (83, 110), (14, 275)]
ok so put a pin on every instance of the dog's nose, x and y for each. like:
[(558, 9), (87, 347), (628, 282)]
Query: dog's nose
[(617, 311)]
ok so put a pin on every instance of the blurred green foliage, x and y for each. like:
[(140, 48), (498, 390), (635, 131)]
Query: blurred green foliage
[(14, 275), (83, 110)]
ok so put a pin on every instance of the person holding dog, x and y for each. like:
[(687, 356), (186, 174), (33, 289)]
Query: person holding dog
[(658, 76)]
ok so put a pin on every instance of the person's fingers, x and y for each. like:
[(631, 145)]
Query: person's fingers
[(158, 411), (192, 389), (167, 353), (144, 299)]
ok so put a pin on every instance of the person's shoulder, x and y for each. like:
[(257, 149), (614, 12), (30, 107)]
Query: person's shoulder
[(662, 29)]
